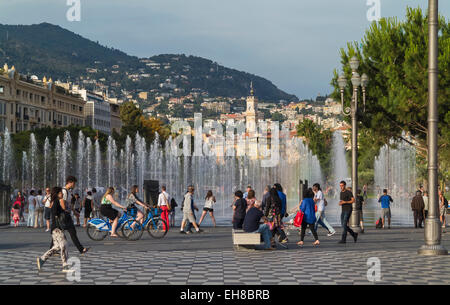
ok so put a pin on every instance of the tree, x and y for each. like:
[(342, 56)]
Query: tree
[(319, 141), (278, 117), (131, 119), (394, 55), (134, 121)]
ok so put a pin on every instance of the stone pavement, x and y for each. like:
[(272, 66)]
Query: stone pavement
[(208, 258)]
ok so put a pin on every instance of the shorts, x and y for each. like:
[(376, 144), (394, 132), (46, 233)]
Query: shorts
[(208, 209), (386, 212), (443, 211), (188, 216), (87, 212), (108, 211), (360, 213), (47, 213)]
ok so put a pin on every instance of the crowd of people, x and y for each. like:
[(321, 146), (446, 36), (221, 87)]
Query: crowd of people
[(59, 206)]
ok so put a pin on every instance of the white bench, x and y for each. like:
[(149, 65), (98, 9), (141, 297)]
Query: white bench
[(245, 240)]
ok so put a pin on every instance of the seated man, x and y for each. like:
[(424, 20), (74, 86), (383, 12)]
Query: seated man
[(252, 224)]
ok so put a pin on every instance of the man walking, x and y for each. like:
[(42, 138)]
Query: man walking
[(386, 207), (70, 185), (417, 205), (164, 205), (346, 201), (188, 211), (39, 211), (319, 199)]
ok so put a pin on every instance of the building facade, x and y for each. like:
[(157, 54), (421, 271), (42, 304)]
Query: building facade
[(97, 111), (27, 103)]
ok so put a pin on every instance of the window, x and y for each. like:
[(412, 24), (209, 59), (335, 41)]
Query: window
[(2, 89)]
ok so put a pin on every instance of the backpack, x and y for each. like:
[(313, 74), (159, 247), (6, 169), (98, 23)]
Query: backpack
[(379, 223)]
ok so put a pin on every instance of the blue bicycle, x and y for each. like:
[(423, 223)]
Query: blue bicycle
[(155, 225), (98, 228)]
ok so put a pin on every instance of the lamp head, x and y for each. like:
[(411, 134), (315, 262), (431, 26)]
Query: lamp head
[(342, 81), (356, 79), (364, 80), (354, 63)]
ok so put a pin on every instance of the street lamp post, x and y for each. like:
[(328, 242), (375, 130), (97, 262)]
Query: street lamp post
[(432, 223), (357, 81)]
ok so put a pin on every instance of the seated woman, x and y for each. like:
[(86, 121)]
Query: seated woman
[(107, 210), (132, 199)]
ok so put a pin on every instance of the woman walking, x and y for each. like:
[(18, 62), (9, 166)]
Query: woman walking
[(47, 210), (309, 217), (107, 210), (208, 208), (273, 212), (59, 241), (21, 199), (88, 205)]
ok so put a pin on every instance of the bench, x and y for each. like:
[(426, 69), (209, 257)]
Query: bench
[(244, 240)]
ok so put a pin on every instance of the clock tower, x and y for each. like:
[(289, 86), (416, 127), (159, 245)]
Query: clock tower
[(251, 115)]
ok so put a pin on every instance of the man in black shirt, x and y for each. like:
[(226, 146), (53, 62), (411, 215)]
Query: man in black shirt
[(346, 202), (252, 224), (239, 208)]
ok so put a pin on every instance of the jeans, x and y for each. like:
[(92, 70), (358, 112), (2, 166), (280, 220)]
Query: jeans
[(30, 220), (265, 233), (303, 231), (345, 216), (321, 220)]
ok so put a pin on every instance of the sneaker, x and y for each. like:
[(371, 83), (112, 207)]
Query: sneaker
[(46, 230), (199, 231), (40, 262), (362, 231), (309, 232), (183, 232), (355, 238), (341, 242), (331, 234), (67, 269)]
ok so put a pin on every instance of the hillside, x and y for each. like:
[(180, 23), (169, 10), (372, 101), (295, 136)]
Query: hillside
[(50, 50)]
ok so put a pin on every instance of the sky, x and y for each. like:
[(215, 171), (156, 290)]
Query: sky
[(293, 43)]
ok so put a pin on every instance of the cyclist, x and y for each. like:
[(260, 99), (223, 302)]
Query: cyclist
[(107, 210), (132, 200)]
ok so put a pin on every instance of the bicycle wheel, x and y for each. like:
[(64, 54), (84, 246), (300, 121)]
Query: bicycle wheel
[(157, 228), (94, 233), (130, 231)]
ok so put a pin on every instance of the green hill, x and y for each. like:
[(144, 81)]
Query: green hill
[(46, 49)]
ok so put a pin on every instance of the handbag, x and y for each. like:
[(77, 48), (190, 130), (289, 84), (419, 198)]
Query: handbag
[(167, 202), (298, 219), (63, 220)]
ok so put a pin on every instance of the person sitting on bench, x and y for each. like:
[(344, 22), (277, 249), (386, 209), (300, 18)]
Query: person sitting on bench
[(252, 224)]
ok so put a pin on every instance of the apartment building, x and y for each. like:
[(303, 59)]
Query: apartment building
[(27, 103)]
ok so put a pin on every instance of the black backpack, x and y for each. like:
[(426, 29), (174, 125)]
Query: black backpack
[(379, 223)]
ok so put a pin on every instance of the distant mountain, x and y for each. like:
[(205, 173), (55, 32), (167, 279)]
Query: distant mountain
[(49, 50)]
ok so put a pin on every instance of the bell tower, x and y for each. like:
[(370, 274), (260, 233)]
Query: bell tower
[(251, 114)]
